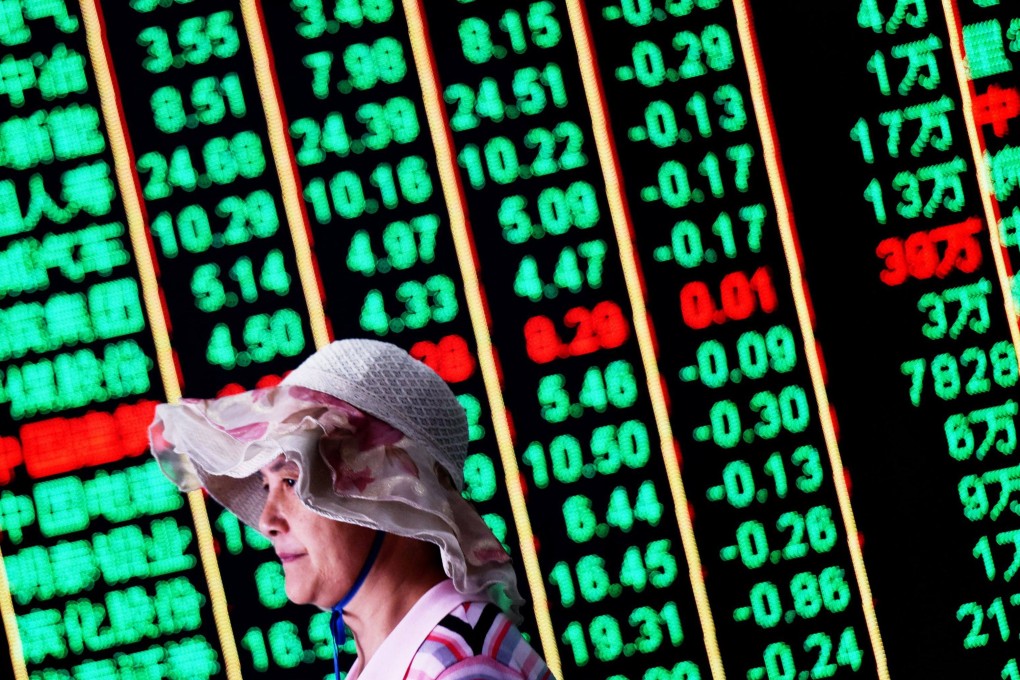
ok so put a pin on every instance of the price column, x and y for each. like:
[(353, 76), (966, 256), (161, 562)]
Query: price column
[(774, 539), (608, 545), (101, 558), (926, 390), (208, 179)]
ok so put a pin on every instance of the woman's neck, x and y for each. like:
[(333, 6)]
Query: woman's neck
[(405, 570)]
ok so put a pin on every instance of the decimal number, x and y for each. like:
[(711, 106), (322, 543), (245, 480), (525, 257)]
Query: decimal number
[(404, 245), (150, 5), (782, 664), (682, 670), (740, 490), (226, 160), (788, 411), (559, 211), (814, 531), (199, 39), (543, 31), (641, 12), (210, 97), (366, 65), (615, 385), (249, 217), (609, 449), (394, 121), (809, 594), (740, 296), (556, 149), (211, 294), (263, 338), (435, 300), (663, 128), (690, 246), (583, 524), (601, 327), (655, 566), (533, 89), (354, 13), (409, 181), (575, 267), (674, 188), (948, 380), (756, 355), (709, 50), (652, 628)]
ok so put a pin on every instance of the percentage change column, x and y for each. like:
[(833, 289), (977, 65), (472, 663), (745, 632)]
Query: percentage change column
[(779, 571)]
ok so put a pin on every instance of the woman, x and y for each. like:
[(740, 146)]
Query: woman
[(352, 468)]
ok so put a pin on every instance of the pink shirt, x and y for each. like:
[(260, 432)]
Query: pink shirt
[(419, 648)]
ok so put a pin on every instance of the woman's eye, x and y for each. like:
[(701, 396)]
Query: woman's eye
[(290, 482)]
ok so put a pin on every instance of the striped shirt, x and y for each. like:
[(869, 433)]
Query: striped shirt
[(447, 636)]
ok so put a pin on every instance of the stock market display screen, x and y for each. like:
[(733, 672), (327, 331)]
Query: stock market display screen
[(727, 289)]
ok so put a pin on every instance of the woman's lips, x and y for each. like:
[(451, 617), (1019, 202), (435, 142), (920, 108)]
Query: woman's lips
[(289, 557)]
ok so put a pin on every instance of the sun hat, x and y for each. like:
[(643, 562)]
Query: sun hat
[(379, 440)]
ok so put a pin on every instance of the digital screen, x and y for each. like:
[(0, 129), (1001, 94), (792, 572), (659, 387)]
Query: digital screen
[(728, 292)]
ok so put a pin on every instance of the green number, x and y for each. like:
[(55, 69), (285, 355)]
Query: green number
[(479, 478), (553, 397), (561, 577), (373, 314), (739, 483), (220, 350), (632, 570), (848, 653), (592, 578), (168, 109), (604, 631), (1004, 363), (752, 544), (566, 456), (765, 604), (579, 518), (534, 457), (475, 40), (210, 296)]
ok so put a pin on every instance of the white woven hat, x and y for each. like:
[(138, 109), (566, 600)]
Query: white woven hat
[(374, 433)]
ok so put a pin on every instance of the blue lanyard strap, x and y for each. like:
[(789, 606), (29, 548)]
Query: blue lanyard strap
[(336, 620)]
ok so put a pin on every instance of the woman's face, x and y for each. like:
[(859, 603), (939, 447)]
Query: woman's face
[(321, 557)]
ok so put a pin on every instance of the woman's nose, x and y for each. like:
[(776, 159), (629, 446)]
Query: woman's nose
[(271, 522)]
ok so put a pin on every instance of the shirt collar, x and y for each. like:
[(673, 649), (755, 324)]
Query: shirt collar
[(394, 655)]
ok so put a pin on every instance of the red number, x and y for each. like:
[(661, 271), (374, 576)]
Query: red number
[(450, 357), (917, 256), (541, 339), (602, 327), (610, 325), (696, 305), (739, 298)]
